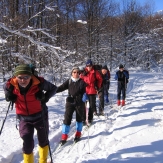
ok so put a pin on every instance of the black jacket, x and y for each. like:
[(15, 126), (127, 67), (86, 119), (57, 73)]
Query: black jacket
[(122, 76), (75, 89)]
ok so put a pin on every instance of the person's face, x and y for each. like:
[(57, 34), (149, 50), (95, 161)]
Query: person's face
[(75, 74), (121, 69), (104, 71), (89, 67), (23, 79)]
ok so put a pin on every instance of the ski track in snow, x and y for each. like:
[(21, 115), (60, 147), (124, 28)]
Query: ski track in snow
[(103, 135)]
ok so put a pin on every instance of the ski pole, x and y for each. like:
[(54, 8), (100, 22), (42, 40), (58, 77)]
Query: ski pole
[(6, 116), (88, 143), (12, 105), (46, 134), (125, 87), (114, 94), (101, 99), (87, 111), (86, 108)]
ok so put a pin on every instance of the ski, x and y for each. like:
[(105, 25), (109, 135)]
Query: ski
[(72, 145), (58, 147), (85, 128)]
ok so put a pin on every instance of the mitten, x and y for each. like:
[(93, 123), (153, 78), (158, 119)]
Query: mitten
[(46, 99), (10, 97), (85, 97), (100, 90), (84, 73), (70, 99), (40, 95)]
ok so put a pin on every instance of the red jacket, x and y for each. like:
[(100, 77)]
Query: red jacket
[(28, 104), (90, 78)]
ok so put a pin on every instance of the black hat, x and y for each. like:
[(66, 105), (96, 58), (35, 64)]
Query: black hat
[(121, 66), (104, 67)]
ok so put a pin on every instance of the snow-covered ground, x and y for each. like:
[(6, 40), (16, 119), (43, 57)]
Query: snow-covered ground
[(133, 134)]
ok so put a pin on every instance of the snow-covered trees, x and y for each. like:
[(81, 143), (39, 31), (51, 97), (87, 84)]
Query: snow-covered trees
[(57, 34)]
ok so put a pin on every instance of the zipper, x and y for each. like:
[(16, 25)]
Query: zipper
[(26, 104)]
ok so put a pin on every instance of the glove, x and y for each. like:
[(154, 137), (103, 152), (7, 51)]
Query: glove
[(45, 100), (40, 95), (85, 97), (70, 99), (100, 90), (84, 73), (10, 97)]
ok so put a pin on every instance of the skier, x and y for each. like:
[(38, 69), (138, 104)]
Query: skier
[(94, 82), (76, 89), (103, 94), (26, 91), (122, 77)]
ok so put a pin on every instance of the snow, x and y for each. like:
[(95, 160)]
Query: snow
[(131, 134), (2, 41), (82, 22)]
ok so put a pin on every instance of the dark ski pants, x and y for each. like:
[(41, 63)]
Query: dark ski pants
[(101, 100), (92, 103), (106, 87), (26, 130), (70, 108), (121, 89)]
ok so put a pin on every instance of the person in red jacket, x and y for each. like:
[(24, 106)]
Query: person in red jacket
[(26, 91), (93, 80)]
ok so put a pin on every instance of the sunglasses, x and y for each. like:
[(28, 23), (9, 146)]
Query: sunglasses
[(76, 72), (88, 66), (23, 77)]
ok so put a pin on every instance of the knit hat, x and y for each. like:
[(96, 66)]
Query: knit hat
[(104, 67), (22, 69), (89, 62), (121, 66), (75, 68)]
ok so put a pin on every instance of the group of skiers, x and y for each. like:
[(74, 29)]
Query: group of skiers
[(30, 94)]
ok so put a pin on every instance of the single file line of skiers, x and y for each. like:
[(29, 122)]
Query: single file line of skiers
[(30, 93)]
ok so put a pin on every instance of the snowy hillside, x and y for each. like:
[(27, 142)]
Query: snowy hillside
[(133, 134)]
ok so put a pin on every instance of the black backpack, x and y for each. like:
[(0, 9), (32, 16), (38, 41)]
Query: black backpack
[(97, 68), (33, 69), (128, 75)]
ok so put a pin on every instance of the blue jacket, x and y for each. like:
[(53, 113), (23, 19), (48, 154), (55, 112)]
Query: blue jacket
[(122, 76)]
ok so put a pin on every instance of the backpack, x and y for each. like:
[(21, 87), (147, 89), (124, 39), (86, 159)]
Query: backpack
[(128, 75), (33, 69), (97, 68)]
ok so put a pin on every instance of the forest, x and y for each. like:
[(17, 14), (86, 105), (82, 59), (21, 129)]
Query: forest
[(56, 35)]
